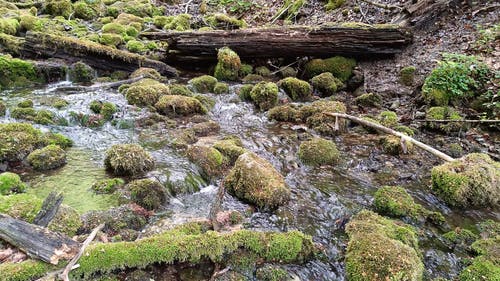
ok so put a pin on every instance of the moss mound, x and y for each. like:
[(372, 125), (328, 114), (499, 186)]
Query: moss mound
[(326, 84), (47, 158), (473, 180), (203, 84), (17, 140), (323, 124), (264, 95), (209, 159), (284, 113), (443, 113), (11, 183), (146, 92), (147, 193), (59, 8), (128, 160), (81, 72), (407, 75), (368, 99), (16, 72), (228, 65), (296, 89), (392, 145), (380, 249), (255, 180), (180, 90), (231, 148), (180, 106), (146, 72), (223, 21), (318, 151), (107, 186), (221, 88), (340, 67)]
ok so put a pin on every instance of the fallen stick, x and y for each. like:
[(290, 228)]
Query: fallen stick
[(65, 274), (386, 130)]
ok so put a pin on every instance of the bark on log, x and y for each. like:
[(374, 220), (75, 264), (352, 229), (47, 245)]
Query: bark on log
[(36, 241), (40, 45), (49, 209), (357, 40)]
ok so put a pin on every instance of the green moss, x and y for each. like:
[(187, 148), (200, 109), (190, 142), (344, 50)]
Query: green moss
[(180, 106), (209, 159), (326, 84), (221, 88), (147, 193), (288, 72), (136, 46), (146, 92), (130, 19), (60, 103), (81, 72), (203, 84), (181, 22), (84, 11), (59, 8), (245, 69), (271, 273), (29, 22), (469, 181), (9, 26), (460, 236), (180, 90), (67, 221), (25, 103), (252, 78), (45, 117), (16, 72), (265, 95), (388, 118), (20, 206), (206, 128), (47, 158), (110, 39), (481, 269), (318, 152), (146, 72), (255, 180), (263, 71), (290, 9), (231, 148), (284, 113), (334, 4), (324, 124), (23, 113), (223, 21), (407, 75), (392, 145), (107, 186), (296, 89), (443, 113), (228, 65), (57, 139), (244, 92), (380, 249), (405, 130), (107, 110), (128, 160), (11, 183), (3, 108), (17, 140), (340, 67)]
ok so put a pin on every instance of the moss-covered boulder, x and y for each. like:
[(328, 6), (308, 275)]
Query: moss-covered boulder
[(25, 104), (57, 139), (324, 124), (9, 26), (443, 113), (407, 75), (326, 84), (296, 89), (180, 106), (460, 238), (272, 273), (473, 180), (17, 140), (67, 221), (128, 160), (146, 72), (264, 95), (231, 148), (393, 145), (47, 158), (221, 88), (318, 152), (181, 22), (146, 92), (11, 183), (147, 193), (368, 99), (16, 72), (244, 92), (107, 186), (381, 249), (284, 113), (84, 11), (59, 8), (340, 67), (207, 128), (228, 65), (209, 159), (388, 118), (255, 180), (106, 109), (204, 83), (81, 72)]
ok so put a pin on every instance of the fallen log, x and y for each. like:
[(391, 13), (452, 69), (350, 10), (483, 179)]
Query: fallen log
[(349, 39), (49, 209), (41, 45), (404, 138), (36, 241)]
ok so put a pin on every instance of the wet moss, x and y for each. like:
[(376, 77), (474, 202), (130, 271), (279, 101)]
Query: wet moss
[(221, 88), (180, 90), (180, 106), (135, 46), (3, 109), (61, 140), (146, 72), (16, 72), (323, 124), (9, 26), (107, 186), (245, 69), (26, 270), (110, 39), (47, 158), (45, 117), (206, 128), (244, 92), (340, 67), (223, 21), (296, 89), (81, 72), (460, 236), (20, 206), (147, 193), (271, 273), (264, 95), (82, 10), (11, 183), (255, 180), (17, 140), (326, 84), (25, 104), (67, 221), (60, 103), (443, 113), (203, 84), (181, 22), (228, 65), (263, 71), (392, 145), (407, 75), (318, 152), (146, 92), (284, 113), (209, 159), (252, 78), (381, 249), (288, 72), (231, 148), (128, 160), (388, 118), (290, 9), (334, 4), (59, 8), (469, 181)]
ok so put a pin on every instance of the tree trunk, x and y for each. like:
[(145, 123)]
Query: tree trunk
[(36, 241), (40, 45), (358, 40)]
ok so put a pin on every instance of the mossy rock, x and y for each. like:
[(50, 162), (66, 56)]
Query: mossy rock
[(318, 152), (146, 92), (388, 118), (368, 99), (17, 140), (272, 273), (128, 160), (47, 158), (180, 106), (284, 113), (228, 65), (326, 84), (25, 104), (288, 72), (16, 72), (136, 46), (181, 22), (59, 8), (265, 95), (67, 221), (110, 39), (204, 83), (231, 148), (245, 69), (204, 129), (60, 103), (244, 92), (460, 237), (381, 249), (113, 28), (334, 4), (407, 75), (180, 90), (11, 183), (146, 72), (9, 26), (252, 78), (443, 113), (209, 159), (147, 193), (81, 72), (255, 180), (221, 88), (296, 89), (57, 139), (130, 19), (473, 180), (324, 124), (392, 145), (263, 71), (481, 269), (107, 186), (223, 21), (84, 11), (340, 67)]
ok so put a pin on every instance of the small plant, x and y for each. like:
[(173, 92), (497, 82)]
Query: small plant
[(235, 6), (485, 42)]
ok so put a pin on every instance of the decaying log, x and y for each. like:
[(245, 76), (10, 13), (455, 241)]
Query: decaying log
[(49, 209), (36, 241), (390, 131), (351, 39), (41, 45)]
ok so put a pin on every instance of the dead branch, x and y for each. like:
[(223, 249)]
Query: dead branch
[(404, 138)]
